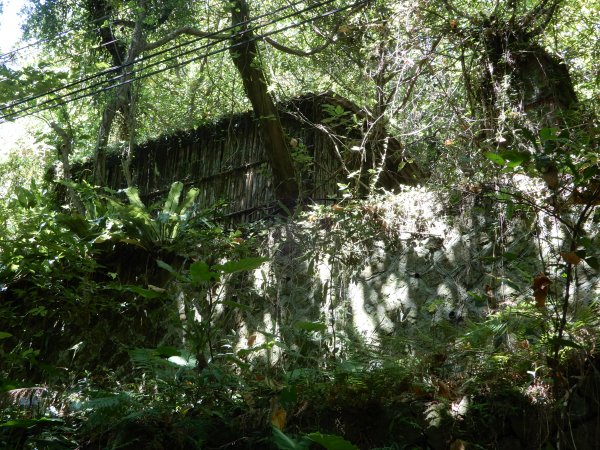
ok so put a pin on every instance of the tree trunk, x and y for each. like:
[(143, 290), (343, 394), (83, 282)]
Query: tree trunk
[(120, 102), (247, 61), (65, 149)]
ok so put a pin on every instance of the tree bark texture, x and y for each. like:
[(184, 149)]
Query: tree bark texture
[(121, 100), (65, 148), (247, 61)]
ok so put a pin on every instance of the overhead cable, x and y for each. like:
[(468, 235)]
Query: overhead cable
[(58, 102), (113, 69)]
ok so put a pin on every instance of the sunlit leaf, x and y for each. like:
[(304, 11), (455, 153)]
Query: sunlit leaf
[(182, 362), (200, 271), (173, 198), (189, 199), (515, 158), (241, 265), (495, 158), (156, 289), (134, 197)]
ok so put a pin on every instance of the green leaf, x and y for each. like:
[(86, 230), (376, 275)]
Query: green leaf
[(302, 373), (200, 271), (548, 134), (74, 223), (515, 158), (495, 158), (283, 442), (587, 243), (25, 197), (166, 351), (478, 299), (332, 442), (9, 385), (173, 198), (311, 326), (146, 293), (288, 396), (4, 335), (134, 197), (590, 172), (247, 351), (511, 284), (529, 136), (562, 342), (167, 267), (241, 265), (26, 423), (189, 200)]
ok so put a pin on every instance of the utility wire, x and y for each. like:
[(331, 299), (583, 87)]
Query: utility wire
[(18, 114), (74, 27), (120, 68), (7, 55), (60, 61)]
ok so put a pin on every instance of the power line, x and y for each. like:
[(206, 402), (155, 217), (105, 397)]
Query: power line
[(186, 62), (5, 56), (58, 62), (75, 27), (120, 68)]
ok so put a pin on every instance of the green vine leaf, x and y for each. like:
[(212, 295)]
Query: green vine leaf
[(495, 158)]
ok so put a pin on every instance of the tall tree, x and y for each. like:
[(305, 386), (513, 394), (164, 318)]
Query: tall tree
[(245, 55)]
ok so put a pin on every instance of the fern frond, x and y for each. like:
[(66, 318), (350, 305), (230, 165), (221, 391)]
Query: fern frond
[(116, 401)]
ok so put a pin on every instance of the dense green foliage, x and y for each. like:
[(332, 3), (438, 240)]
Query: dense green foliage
[(152, 322)]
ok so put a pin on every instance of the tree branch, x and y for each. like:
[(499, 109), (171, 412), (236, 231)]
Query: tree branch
[(296, 52), (453, 9), (549, 13), (164, 16), (181, 31)]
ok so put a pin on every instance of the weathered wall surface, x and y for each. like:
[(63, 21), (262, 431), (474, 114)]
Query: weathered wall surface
[(409, 259), (227, 160)]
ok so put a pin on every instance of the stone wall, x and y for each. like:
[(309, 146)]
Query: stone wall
[(407, 259)]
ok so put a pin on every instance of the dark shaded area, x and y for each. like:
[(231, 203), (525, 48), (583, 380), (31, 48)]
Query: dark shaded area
[(540, 83), (378, 409)]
